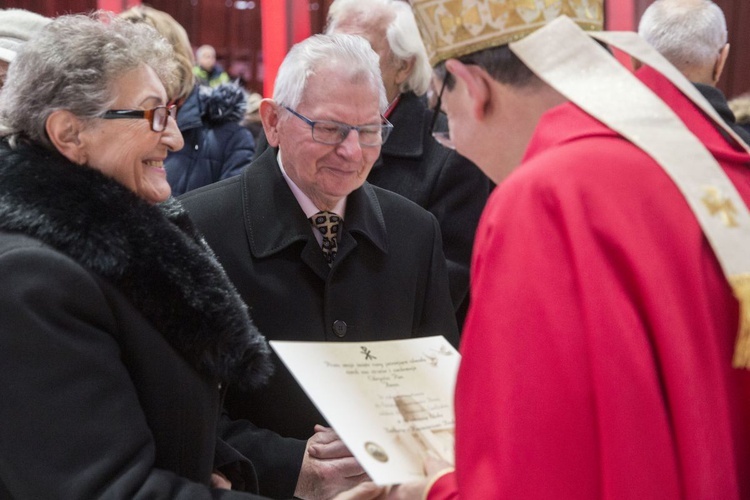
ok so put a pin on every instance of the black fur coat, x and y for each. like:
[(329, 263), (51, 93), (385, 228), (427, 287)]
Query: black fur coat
[(152, 254)]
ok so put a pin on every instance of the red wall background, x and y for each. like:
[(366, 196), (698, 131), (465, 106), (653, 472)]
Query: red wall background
[(251, 49)]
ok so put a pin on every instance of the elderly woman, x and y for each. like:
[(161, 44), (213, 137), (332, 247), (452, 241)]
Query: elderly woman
[(118, 329)]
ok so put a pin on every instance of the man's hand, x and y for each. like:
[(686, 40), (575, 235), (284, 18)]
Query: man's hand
[(328, 468), (364, 491), (414, 490)]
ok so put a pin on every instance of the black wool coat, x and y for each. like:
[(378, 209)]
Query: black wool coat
[(388, 281), (117, 330), (452, 188)]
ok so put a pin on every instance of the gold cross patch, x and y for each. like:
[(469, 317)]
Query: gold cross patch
[(717, 203)]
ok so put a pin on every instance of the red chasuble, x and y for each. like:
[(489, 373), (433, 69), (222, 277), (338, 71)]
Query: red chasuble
[(597, 354)]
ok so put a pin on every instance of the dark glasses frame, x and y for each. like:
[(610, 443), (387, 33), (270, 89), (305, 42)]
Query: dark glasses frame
[(344, 129), (443, 138), (155, 116)]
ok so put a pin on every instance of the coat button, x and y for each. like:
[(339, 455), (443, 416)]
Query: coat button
[(339, 328)]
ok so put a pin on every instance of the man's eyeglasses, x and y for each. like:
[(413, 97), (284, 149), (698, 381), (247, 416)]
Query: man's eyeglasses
[(157, 117), (330, 132), (442, 137)]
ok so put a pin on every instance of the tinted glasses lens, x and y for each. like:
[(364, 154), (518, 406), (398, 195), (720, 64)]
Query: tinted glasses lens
[(444, 139), (439, 125), (386, 129), (371, 135), (159, 119), (327, 132)]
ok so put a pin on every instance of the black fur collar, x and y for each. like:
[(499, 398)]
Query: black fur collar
[(152, 254)]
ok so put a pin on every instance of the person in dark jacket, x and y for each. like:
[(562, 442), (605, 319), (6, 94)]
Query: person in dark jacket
[(411, 162), (119, 330), (207, 70), (377, 272), (217, 146)]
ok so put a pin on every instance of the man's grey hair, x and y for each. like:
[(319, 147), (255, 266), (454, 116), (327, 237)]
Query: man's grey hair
[(689, 33), (351, 56), (401, 31), (72, 65)]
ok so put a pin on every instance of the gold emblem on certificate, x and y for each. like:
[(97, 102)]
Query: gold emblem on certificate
[(376, 451)]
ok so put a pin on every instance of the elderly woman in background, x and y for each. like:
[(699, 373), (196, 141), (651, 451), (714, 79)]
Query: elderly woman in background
[(217, 146), (118, 329)]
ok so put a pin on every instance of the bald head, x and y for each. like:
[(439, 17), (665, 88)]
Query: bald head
[(691, 34)]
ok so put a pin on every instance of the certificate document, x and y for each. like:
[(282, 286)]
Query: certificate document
[(391, 402)]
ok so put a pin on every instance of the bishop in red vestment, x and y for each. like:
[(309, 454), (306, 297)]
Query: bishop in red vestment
[(598, 349), (597, 355)]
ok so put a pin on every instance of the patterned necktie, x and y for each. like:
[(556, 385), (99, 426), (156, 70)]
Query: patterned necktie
[(328, 223)]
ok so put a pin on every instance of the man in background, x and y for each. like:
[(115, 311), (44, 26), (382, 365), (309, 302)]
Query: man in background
[(692, 35), (207, 71), (411, 162)]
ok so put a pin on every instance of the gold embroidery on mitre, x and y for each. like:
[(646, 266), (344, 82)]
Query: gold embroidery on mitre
[(453, 28), (741, 288), (717, 203)]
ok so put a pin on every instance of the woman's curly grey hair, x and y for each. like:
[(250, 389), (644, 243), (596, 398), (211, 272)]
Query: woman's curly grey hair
[(72, 64)]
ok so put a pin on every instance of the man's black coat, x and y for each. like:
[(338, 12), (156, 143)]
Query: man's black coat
[(388, 281)]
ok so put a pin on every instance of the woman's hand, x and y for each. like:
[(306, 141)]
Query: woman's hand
[(219, 480)]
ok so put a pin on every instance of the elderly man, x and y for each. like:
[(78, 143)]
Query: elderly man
[(317, 253), (692, 35), (412, 163), (600, 356)]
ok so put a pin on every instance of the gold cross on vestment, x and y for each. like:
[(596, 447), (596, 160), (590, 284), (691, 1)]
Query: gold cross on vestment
[(717, 203)]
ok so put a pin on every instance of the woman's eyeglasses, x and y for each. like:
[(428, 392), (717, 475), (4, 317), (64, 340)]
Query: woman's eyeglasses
[(157, 117)]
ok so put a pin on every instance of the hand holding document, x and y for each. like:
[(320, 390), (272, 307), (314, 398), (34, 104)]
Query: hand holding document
[(391, 402)]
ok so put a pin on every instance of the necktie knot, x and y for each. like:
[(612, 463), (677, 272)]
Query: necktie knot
[(328, 223)]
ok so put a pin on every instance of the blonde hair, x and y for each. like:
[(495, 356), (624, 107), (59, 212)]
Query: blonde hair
[(177, 36)]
